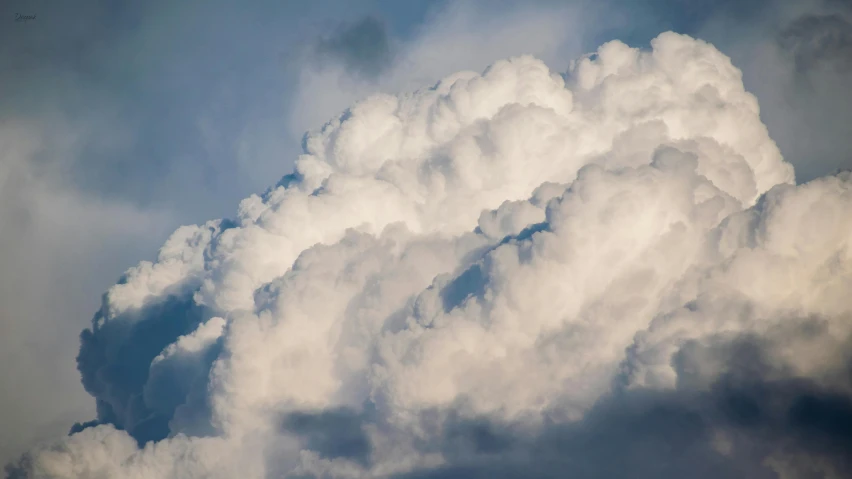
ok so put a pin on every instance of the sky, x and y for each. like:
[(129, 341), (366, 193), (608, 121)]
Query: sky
[(119, 124)]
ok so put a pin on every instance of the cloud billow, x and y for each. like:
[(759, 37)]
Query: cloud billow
[(607, 273)]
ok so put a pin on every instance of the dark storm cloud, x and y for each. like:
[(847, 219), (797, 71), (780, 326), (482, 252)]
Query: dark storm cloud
[(816, 39), (363, 47)]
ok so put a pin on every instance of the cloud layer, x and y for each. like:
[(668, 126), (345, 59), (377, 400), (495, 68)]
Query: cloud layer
[(607, 272)]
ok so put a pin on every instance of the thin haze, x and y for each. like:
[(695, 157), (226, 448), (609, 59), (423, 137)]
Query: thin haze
[(119, 124)]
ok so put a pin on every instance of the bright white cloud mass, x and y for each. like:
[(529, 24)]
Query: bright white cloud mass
[(519, 273)]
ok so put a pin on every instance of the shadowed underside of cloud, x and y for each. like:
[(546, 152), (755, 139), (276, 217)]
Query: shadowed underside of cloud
[(745, 424), (519, 273)]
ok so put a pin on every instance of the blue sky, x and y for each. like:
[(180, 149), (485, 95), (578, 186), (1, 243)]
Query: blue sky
[(121, 122)]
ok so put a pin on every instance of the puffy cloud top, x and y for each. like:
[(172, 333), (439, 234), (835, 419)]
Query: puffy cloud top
[(468, 279)]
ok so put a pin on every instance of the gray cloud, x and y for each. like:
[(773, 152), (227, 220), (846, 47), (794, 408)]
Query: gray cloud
[(335, 433), (363, 47), (813, 40)]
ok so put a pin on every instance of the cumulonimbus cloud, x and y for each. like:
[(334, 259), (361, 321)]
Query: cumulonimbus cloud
[(513, 273)]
